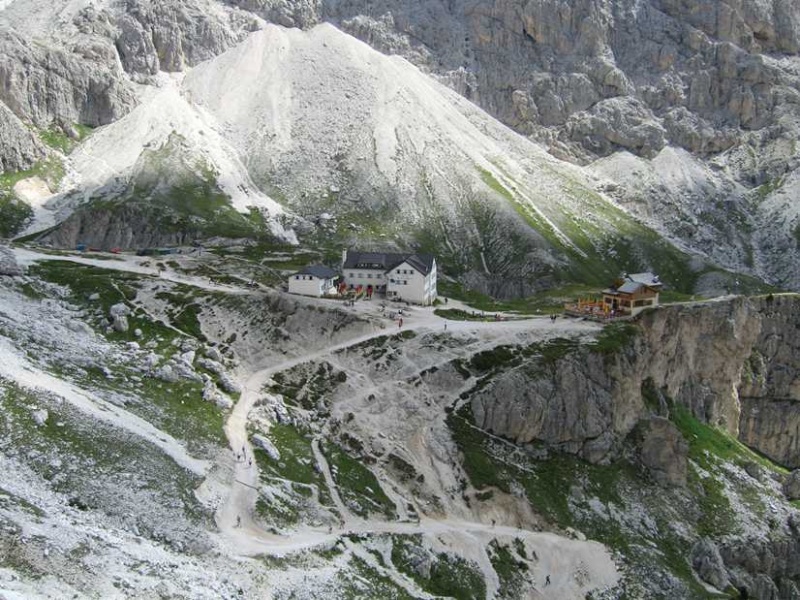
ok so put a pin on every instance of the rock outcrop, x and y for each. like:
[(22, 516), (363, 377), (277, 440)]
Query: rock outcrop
[(542, 407), (731, 363), (50, 84), (664, 452), (791, 487), (170, 36), (757, 568), (708, 564), (19, 147)]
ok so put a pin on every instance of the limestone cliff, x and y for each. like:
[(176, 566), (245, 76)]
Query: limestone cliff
[(732, 363)]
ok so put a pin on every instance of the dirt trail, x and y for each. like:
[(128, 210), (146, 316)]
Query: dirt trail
[(560, 558)]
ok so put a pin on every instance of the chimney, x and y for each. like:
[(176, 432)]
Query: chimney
[(344, 256)]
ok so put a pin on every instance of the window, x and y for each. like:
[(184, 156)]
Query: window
[(351, 275), (297, 276), (369, 275), (361, 276)]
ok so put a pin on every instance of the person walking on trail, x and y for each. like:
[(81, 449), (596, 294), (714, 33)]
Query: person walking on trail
[(238, 521), (400, 323), (547, 580), (445, 326)]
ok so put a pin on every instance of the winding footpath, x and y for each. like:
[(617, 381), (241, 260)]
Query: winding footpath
[(239, 531)]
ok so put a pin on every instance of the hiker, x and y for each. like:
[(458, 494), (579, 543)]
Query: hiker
[(400, 324), (250, 462), (547, 580), (238, 521), (445, 326), (445, 300)]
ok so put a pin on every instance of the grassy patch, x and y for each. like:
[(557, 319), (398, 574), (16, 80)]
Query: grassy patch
[(615, 337), (456, 314), (176, 407), (708, 445), (183, 311), (364, 581), (449, 575), (600, 247), (84, 281), (176, 191), (358, 486), (9, 500), (495, 358), (308, 385), (511, 571), (296, 462), (57, 139), (295, 466), (15, 214), (179, 409), (380, 346), (543, 303), (91, 462)]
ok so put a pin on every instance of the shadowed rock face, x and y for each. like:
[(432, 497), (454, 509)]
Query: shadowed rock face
[(544, 66), (43, 85), (732, 363)]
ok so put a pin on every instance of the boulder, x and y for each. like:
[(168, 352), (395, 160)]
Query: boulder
[(213, 354), (78, 326), (167, 373), (267, 446), (120, 323), (40, 417), (213, 395), (119, 310), (791, 486)]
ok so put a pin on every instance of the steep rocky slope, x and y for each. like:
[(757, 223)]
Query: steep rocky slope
[(430, 460), (694, 104), (660, 393), (731, 364), (568, 77)]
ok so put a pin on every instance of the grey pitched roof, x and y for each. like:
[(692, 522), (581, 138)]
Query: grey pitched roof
[(421, 262), (375, 260), (647, 278), (387, 260), (630, 287), (319, 271)]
